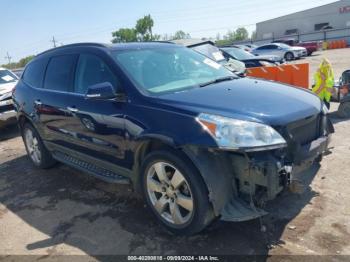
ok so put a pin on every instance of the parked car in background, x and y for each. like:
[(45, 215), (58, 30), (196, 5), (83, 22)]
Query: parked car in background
[(282, 50), (249, 59), (244, 47), (197, 141), (211, 51), (8, 80), (310, 46), (342, 94), (18, 71), (251, 46)]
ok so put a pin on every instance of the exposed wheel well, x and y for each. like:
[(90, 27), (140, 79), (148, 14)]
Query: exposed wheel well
[(22, 120), (150, 146)]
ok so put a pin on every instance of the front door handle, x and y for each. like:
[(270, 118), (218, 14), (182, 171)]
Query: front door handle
[(72, 109)]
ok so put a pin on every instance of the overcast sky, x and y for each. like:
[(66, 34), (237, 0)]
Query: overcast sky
[(27, 26)]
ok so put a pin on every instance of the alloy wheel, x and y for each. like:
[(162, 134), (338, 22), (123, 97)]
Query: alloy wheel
[(170, 193), (33, 148)]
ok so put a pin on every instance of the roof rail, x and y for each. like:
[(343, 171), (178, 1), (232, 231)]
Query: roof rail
[(73, 45)]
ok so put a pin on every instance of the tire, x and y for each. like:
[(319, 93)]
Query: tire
[(35, 148), (319, 158), (289, 56), (172, 213), (344, 110)]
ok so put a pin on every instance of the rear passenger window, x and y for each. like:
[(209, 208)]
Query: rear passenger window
[(34, 73), (59, 73), (92, 70)]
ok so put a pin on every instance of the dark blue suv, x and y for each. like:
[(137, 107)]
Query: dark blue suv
[(195, 139)]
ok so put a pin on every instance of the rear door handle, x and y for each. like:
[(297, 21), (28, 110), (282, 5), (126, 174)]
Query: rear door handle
[(72, 109), (37, 102)]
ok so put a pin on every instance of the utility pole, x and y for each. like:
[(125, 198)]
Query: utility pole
[(54, 41), (8, 57)]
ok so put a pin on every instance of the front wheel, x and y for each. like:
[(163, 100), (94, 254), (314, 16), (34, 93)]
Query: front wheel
[(289, 56), (176, 193)]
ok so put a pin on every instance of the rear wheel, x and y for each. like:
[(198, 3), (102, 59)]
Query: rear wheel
[(344, 110), (176, 193), (289, 56), (35, 148)]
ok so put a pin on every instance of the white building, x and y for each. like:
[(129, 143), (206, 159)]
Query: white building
[(311, 23)]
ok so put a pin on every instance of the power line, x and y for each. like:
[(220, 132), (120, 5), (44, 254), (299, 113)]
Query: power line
[(8, 57), (53, 41), (225, 11)]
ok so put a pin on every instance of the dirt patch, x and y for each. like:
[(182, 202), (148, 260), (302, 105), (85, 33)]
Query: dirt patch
[(3, 211)]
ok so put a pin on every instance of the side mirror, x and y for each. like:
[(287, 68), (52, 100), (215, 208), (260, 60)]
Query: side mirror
[(101, 91)]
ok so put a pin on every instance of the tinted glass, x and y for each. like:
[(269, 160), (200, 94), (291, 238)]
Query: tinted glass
[(263, 47), (7, 77), (238, 53), (92, 70), (169, 69), (34, 73), (59, 73), (210, 51)]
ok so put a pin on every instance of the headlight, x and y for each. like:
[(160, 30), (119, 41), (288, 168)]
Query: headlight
[(324, 109), (231, 133)]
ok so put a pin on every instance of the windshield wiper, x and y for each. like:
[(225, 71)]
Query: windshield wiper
[(218, 80)]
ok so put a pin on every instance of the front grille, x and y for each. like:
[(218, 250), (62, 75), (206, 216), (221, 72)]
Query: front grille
[(306, 130)]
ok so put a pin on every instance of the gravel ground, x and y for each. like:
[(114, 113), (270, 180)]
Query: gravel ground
[(62, 211)]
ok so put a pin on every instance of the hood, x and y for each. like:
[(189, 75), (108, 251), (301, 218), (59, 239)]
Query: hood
[(248, 99), (8, 87)]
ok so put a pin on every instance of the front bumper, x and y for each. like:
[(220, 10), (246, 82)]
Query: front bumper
[(260, 177), (7, 112)]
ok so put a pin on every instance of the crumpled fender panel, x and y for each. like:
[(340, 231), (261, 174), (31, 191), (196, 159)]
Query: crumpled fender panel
[(216, 170)]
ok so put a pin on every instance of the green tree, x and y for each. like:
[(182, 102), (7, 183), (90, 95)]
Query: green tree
[(24, 61), (241, 34), (223, 42), (144, 28), (124, 35), (181, 35), (21, 63)]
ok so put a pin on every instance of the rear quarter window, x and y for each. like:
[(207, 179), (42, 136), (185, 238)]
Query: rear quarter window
[(34, 73), (59, 73)]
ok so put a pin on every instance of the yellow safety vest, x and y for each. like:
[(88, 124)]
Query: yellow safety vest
[(324, 82)]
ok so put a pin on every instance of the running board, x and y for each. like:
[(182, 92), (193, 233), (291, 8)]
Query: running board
[(99, 172)]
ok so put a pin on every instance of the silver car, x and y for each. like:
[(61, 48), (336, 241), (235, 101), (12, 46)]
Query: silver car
[(282, 50), (8, 80)]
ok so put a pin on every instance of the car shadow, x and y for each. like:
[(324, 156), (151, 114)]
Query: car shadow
[(9, 132), (336, 119), (105, 219)]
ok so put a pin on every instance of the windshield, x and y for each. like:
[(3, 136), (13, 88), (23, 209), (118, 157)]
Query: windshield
[(210, 51), (168, 69), (7, 77), (238, 53)]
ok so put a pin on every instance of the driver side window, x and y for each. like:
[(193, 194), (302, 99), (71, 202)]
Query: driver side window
[(92, 70)]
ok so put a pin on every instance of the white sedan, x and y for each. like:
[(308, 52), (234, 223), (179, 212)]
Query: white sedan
[(282, 50), (8, 80)]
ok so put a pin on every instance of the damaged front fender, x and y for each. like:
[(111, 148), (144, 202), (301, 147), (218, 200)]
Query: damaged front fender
[(218, 174)]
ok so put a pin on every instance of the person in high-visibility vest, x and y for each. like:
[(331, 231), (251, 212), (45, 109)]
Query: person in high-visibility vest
[(324, 82)]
